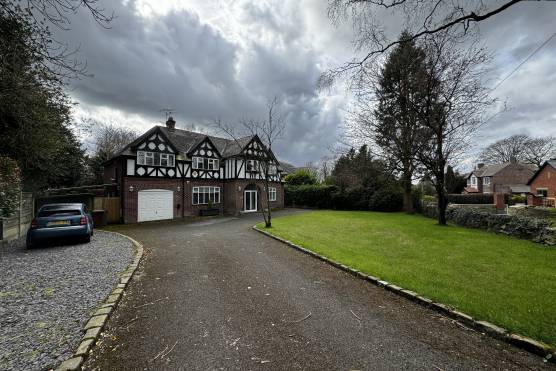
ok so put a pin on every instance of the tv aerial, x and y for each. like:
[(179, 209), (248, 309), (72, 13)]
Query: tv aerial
[(167, 111)]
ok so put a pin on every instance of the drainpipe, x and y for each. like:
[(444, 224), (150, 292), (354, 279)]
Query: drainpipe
[(183, 193)]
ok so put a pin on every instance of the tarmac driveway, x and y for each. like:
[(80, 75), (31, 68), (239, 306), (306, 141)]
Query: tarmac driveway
[(217, 295)]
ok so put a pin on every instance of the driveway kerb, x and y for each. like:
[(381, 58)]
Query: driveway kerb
[(520, 341), (98, 320)]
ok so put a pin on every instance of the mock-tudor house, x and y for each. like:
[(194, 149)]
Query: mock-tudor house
[(171, 173), (543, 182), (508, 177)]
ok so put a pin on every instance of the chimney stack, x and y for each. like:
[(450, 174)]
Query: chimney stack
[(170, 123), (480, 165)]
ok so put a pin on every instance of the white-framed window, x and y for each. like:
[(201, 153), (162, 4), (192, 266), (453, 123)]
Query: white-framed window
[(542, 192), (155, 159), (166, 159), (486, 180), (202, 195), (212, 164), (197, 163), (473, 180), (272, 193), (251, 165), (202, 163), (141, 157)]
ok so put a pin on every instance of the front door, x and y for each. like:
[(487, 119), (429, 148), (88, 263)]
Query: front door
[(250, 201)]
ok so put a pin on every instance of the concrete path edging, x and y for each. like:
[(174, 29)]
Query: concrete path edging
[(523, 342), (98, 320)]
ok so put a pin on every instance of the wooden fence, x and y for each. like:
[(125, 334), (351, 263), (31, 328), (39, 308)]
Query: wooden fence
[(17, 224), (111, 206)]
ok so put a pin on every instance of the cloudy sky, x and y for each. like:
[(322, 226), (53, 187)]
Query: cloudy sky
[(225, 59)]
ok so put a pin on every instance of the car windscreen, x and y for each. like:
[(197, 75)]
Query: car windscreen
[(58, 212)]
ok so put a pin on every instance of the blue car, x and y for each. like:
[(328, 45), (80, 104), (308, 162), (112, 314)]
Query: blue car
[(54, 221)]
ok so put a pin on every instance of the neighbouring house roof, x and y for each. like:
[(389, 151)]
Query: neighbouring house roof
[(492, 170), (288, 168), (519, 188), (470, 190), (551, 163)]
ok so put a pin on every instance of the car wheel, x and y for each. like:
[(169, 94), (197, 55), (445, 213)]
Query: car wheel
[(87, 239), (29, 243)]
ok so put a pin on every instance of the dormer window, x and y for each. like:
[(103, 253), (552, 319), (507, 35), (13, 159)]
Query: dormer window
[(155, 159), (473, 180), (202, 163)]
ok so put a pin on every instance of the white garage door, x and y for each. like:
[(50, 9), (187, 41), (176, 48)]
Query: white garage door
[(155, 204)]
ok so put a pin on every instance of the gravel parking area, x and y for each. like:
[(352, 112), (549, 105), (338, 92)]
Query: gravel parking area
[(47, 294)]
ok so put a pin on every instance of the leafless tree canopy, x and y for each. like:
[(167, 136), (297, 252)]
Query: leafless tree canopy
[(268, 130), (421, 19), (522, 148), (42, 15), (110, 139)]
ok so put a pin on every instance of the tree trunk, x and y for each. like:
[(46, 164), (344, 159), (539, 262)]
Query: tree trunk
[(441, 195), (407, 199), (442, 205)]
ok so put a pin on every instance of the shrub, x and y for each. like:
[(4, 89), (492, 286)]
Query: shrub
[(518, 199), (386, 200), (301, 176), (429, 198), (470, 198), (10, 183), (309, 195)]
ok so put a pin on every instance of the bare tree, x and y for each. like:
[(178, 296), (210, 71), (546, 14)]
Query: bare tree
[(268, 130), (520, 148), (421, 19), (57, 58), (455, 107), (108, 141), (540, 149), (325, 169)]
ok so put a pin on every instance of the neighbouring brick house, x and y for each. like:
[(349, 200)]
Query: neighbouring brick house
[(509, 177), (171, 173), (543, 182)]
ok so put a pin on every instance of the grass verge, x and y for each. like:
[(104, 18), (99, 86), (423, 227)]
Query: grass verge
[(503, 280)]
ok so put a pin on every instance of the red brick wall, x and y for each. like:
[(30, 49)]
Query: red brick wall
[(194, 210), (231, 195), (140, 184), (112, 171), (545, 179), (234, 190)]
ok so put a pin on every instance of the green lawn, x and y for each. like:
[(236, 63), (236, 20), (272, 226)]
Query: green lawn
[(506, 281)]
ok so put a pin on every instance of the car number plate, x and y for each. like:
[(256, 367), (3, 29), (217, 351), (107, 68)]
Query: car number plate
[(58, 223)]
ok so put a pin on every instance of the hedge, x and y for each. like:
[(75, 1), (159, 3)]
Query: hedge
[(324, 196)]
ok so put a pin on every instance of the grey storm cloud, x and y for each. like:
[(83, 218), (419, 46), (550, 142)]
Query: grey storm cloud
[(179, 59), (141, 65)]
